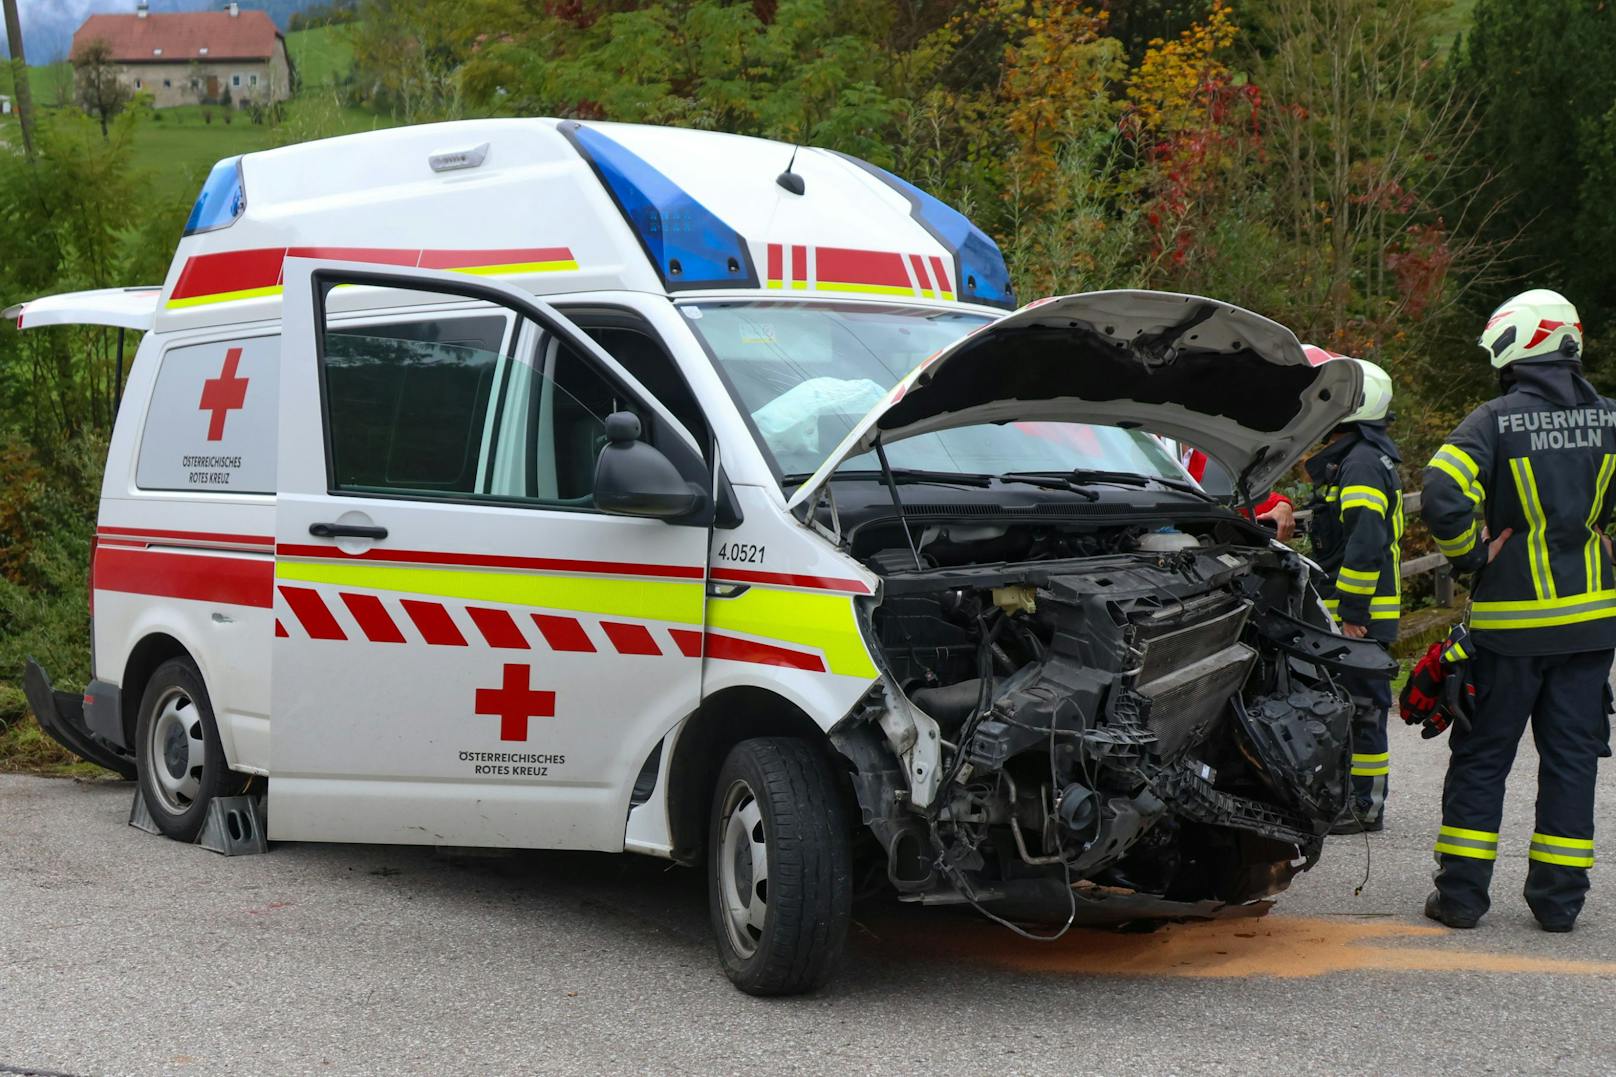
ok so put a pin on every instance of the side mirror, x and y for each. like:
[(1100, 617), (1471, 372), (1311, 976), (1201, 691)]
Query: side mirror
[(633, 478)]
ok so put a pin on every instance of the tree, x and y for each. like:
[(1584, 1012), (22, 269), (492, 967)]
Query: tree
[(1367, 133), (102, 91), (19, 78), (1545, 98)]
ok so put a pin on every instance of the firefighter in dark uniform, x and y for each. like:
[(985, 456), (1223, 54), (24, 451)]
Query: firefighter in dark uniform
[(1357, 530), (1537, 464)]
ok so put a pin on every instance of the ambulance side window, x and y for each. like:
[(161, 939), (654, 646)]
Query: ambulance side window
[(551, 428), (407, 404), (465, 408)]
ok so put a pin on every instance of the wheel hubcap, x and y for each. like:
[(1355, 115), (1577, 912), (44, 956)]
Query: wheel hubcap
[(177, 751), (744, 869)]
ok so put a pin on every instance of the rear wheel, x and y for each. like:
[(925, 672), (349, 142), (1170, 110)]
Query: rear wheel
[(779, 875), (179, 761)]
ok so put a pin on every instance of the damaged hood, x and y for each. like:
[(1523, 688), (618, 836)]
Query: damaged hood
[(1229, 382)]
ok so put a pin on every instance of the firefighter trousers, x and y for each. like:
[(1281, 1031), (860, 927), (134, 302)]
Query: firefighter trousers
[(1564, 698), (1371, 756)]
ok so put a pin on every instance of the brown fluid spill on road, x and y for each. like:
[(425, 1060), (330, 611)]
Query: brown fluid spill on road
[(1277, 946)]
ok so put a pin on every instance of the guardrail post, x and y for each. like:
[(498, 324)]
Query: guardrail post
[(1444, 585)]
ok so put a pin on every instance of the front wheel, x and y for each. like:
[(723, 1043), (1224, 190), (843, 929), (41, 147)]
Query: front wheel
[(179, 761), (780, 884)]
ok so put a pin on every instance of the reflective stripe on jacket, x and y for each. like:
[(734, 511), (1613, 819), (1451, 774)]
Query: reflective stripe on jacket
[(1357, 533), (1539, 461)]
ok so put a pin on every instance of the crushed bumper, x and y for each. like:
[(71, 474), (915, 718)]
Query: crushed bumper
[(62, 716)]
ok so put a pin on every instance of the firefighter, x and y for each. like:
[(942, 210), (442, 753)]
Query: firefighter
[(1536, 462), (1357, 530)]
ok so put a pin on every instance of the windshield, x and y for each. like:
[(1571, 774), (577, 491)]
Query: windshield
[(808, 372)]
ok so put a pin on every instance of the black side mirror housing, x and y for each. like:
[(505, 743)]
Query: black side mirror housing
[(633, 478)]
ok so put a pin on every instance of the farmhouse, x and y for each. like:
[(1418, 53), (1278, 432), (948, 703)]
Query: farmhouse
[(185, 58)]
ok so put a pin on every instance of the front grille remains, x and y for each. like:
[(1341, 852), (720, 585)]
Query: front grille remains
[(1191, 662)]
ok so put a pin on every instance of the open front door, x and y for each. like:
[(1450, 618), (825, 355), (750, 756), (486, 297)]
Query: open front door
[(468, 650)]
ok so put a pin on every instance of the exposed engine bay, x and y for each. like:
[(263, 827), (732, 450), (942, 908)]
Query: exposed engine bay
[(1098, 722)]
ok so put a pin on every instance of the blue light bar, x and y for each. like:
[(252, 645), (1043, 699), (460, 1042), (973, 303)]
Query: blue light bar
[(979, 270), (690, 246), (222, 201)]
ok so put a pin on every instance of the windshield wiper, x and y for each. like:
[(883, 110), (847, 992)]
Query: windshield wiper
[(1050, 482), (905, 475), (1113, 478)]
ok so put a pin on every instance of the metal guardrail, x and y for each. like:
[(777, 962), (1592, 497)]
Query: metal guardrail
[(1432, 562)]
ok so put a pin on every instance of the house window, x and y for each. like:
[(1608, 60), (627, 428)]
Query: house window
[(235, 80), (253, 79), (168, 84), (137, 84)]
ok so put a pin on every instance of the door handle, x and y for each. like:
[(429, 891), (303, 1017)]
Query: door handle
[(364, 531)]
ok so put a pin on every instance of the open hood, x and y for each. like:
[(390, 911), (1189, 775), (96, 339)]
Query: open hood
[(1229, 382)]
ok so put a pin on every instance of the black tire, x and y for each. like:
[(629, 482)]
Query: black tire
[(806, 894), (180, 778)]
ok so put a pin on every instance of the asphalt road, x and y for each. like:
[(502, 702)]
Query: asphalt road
[(124, 953)]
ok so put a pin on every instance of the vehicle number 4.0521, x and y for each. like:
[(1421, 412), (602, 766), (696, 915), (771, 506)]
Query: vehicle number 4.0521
[(744, 552)]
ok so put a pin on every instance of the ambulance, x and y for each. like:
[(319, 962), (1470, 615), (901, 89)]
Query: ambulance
[(544, 484)]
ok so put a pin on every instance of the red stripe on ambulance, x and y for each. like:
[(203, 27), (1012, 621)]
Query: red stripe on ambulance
[(693, 644), (434, 623), (920, 272), (563, 633), (240, 271), (844, 265), (477, 560), (373, 619), (630, 638), (498, 628), (312, 613), (235, 581), (497, 257)]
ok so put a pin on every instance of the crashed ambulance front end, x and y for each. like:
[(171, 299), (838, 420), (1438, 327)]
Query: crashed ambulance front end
[(1103, 697)]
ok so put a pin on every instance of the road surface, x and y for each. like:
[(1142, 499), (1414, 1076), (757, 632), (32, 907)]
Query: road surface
[(124, 953)]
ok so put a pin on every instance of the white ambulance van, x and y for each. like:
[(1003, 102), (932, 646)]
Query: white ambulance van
[(557, 485)]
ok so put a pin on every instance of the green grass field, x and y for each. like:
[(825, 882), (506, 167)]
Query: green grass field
[(322, 56), (177, 146)]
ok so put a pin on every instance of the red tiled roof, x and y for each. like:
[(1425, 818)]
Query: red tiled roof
[(182, 36)]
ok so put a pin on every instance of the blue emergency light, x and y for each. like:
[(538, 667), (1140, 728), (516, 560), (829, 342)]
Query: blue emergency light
[(979, 270), (690, 246), (222, 201)]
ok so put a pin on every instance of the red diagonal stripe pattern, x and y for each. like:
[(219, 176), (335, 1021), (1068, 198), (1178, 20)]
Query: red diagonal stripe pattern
[(312, 613), (434, 623), (373, 619), (498, 628), (563, 633), (630, 638)]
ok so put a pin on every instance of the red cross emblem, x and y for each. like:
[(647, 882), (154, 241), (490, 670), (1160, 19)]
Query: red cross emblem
[(223, 394), (514, 703)]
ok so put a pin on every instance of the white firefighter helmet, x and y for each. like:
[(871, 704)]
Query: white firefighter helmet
[(1533, 325), (1376, 399)]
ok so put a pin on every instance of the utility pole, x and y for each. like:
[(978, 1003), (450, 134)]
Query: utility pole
[(19, 78)]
